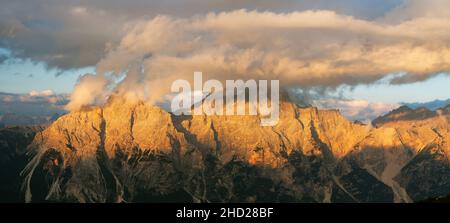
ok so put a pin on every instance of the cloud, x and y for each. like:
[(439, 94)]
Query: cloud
[(7, 98), (69, 34), (92, 89), (361, 110), (44, 93), (301, 49), (411, 9), (335, 42), (44, 98), (59, 33)]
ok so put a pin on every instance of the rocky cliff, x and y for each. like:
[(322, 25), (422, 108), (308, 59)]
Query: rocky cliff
[(134, 152)]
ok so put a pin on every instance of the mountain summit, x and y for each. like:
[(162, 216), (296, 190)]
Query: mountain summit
[(405, 113), (134, 152)]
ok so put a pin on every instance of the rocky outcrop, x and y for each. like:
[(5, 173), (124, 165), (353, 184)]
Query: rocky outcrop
[(134, 152)]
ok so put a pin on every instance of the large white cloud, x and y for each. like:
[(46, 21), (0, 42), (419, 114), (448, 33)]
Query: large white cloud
[(301, 49)]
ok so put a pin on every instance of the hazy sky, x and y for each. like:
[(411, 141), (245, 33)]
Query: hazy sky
[(49, 44)]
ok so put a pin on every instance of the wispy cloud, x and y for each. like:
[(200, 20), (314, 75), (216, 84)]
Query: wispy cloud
[(36, 97), (360, 110)]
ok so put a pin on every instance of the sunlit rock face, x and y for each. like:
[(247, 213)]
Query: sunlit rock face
[(134, 152)]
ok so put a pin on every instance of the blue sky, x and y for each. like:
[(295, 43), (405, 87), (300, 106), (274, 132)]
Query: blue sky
[(23, 76), (437, 87)]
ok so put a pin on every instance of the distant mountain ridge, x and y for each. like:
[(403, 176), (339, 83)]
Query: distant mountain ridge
[(406, 113), (30, 109), (403, 113), (432, 105)]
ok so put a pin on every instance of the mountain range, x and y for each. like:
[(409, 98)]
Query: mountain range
[(431, 105), (32, 109), (134, 152)]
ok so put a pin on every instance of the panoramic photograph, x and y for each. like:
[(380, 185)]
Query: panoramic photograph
[(226, 102)]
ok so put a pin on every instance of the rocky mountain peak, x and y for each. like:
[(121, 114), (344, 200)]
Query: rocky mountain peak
[(129, 151), (404, 113)]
